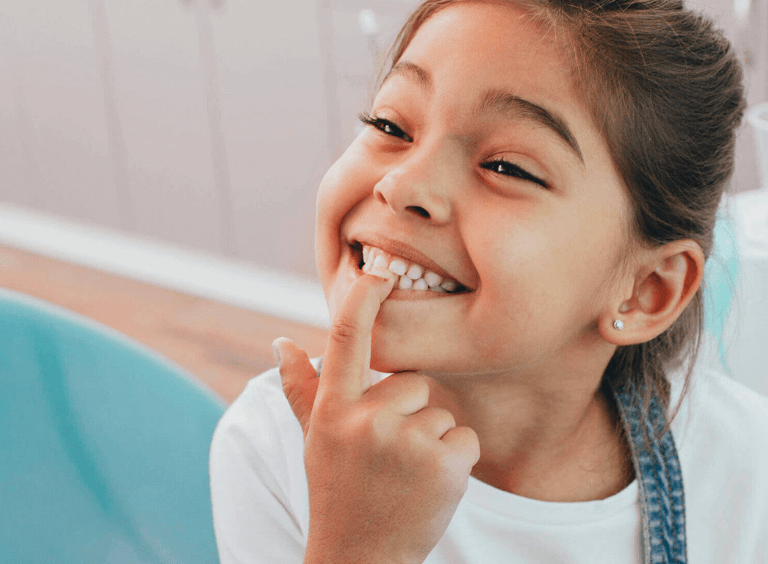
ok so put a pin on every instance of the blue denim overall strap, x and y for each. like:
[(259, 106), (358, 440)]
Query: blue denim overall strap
[(658, 476)]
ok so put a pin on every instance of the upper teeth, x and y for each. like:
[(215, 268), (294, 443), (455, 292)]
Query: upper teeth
[(412, 276)]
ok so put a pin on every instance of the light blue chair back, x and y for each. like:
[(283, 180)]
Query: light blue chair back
[(720, 277), (103, 445)]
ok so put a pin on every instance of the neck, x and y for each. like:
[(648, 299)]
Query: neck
[(552, 443)]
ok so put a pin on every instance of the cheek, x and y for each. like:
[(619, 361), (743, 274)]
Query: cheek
[(345, 183), (527, 268), (330, 196), (515, 255), (342, 188)]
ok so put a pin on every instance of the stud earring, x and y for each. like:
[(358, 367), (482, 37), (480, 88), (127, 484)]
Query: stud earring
[(618, 325)]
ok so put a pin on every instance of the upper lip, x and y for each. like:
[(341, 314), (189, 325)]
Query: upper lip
[(404, 250)]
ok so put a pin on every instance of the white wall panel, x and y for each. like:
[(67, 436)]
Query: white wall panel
[(359, 58), (275, 126), (161, 99), (13, 182), (60, 113)]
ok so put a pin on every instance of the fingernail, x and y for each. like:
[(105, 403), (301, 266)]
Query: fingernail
[(276, 352), (381, 273)]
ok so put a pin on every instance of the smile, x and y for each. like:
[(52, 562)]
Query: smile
[(411, 275)]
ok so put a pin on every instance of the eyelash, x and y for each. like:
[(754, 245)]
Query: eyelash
[(515, 171), (381, 124), (389, 128)]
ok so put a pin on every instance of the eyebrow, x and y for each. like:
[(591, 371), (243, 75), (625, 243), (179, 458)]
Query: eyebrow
[(412, 71), (500, 102)]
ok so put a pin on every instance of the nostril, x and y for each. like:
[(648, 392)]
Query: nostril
[(418, 210)]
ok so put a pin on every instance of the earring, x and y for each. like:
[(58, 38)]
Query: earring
[(618, 325)]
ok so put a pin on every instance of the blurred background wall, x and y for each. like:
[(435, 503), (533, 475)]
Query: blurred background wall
[(209, 123)]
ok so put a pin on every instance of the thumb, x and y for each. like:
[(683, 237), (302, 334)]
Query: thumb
[(299, 379)]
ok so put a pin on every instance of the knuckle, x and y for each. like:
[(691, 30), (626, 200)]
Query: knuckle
[(411, 437), (472, 444), (464, 444), (418, 381), (379, 427), (413, 383), (444, 416), (475, 442), (454, 474), (436, 420), (373, 427), (343, 330)]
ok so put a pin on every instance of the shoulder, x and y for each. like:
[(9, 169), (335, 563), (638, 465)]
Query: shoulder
[(728, 413), (260, 420), (258, 484), (721, 433), (258, 448)]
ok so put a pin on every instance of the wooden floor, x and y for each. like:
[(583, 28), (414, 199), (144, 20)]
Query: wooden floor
[(222, 345)]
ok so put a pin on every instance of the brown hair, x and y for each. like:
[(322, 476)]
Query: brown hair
[(665, 88)]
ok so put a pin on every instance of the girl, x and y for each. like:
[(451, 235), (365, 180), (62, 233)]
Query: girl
[(519, 237)]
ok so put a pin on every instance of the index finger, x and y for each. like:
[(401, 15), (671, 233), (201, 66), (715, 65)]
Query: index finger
[(345, 361)]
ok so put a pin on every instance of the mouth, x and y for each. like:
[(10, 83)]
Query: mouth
[(412, 276)]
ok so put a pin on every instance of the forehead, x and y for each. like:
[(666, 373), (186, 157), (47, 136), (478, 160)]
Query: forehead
[(481, 61), (497, 43)]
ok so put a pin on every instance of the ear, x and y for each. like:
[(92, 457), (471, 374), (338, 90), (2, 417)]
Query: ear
[(665, 281)]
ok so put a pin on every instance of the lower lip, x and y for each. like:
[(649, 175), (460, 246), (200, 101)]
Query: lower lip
[(398, 294)]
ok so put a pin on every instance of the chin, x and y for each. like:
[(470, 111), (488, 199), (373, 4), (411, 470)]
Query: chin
[(390, 354), (384, 359), (395, 355)]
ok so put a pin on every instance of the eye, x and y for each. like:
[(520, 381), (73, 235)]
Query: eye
[(385, 126), (506, 168)]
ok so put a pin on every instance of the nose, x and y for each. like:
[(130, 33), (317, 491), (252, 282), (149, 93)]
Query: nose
[(418, 188)]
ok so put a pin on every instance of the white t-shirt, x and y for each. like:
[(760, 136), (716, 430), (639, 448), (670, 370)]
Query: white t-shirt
[(261, 512)]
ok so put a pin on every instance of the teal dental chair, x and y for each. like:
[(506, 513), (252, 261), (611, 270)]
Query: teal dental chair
[(103, 445), (720, 277)]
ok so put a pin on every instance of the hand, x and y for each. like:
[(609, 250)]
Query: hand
[(385, 471)]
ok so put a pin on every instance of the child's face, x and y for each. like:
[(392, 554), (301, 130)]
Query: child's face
[(443, 177)]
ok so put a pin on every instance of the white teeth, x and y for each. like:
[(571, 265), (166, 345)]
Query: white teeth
[(449, 285), (413, 277), (398, 266), (415, 272), (432, 278)]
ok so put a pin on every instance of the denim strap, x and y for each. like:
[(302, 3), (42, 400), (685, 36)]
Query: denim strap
[(658, 476)]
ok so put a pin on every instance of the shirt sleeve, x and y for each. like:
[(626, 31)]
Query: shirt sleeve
[(258, 484)]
